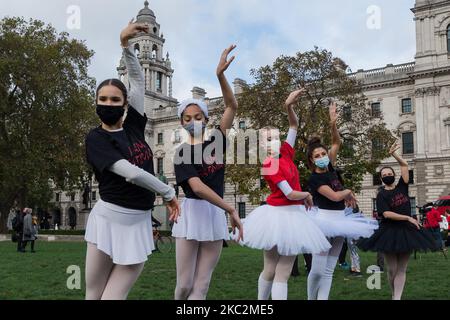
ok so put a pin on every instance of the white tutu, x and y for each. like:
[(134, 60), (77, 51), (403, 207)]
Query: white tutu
[(201, 221), (287, 227), (343, 223), (125, 235)]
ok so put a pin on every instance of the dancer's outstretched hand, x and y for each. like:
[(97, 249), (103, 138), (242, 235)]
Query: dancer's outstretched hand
[(224, 62), (309, 202), (333, 112), (351, 201), (294, 96), (414, 222), (131, 31), (174, 209), (236, 223)]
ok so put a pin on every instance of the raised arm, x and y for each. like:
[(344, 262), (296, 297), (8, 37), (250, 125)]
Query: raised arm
[(231, 104), (292, 116), (134, 69), (404, 169), (335, 136)]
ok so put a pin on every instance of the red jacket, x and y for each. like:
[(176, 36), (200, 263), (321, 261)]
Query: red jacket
[(433, 219)]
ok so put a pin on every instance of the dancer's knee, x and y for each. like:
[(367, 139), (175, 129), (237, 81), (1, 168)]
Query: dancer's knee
[(182, 292)]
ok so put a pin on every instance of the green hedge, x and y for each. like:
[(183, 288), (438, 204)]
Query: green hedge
[(62, 232)]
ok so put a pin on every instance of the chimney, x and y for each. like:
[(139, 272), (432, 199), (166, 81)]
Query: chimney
[(198, 93)]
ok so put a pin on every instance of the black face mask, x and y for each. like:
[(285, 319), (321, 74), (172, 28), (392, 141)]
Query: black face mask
[(110, 115), (388, 180)]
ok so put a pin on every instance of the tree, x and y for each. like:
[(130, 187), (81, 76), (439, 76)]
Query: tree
[(46, 99), (325, 78)]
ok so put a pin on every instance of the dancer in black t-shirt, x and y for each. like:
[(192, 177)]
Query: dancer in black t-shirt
[(331, 199), (200, 171), (399, 234), (119, 228)]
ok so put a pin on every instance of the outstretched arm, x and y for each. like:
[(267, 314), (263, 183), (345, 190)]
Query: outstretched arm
[(231, 104), (403, 164), (206, 193), (135, 74), (335, 136)]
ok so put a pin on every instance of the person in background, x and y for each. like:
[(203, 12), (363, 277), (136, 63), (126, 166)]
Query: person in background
[(29, 231), (17, 225), (432, 224)]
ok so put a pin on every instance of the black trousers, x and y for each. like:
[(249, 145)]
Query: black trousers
[(19, 241), (25, 244)]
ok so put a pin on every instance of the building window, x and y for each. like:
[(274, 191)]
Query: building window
[(347, 113), (160, 138), (94, 195), (411, 177), (413, 206), (377, 146), (160, 167), (72, 197), (137, 50), (154, 51), (376, 110), (58, 197), (241, 209), (242, 125), (376, 179), (348, 148), (406, 106), (408, 143), (159, 82), (177, 136), (448, 38)]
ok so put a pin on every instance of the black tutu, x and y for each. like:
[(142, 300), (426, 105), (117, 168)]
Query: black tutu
[(399, 237)]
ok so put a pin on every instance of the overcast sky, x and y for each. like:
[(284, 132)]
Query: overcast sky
[(196, 32)]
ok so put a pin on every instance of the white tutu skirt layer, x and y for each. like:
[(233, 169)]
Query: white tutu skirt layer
[(337, 223), (201, 221), (288, 228), (125, 235)]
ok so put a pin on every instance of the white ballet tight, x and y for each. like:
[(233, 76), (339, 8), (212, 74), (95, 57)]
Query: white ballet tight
[(396, 267), (321, 275), (274, 278), (106, 280), (195, 265)]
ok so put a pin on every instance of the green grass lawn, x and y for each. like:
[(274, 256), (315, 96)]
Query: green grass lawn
[(42, 275)]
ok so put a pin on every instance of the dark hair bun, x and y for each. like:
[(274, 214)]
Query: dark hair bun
[(314, 141)]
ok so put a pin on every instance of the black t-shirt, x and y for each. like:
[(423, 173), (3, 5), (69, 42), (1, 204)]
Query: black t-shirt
[(104, 148), (330, 179), (396, 200), (205, 161)]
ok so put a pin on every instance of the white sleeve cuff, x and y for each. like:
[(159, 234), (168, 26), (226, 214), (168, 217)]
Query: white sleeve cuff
[(285, 187), (292, 137)]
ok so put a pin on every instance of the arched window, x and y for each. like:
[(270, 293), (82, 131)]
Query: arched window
[(448, 38), (137, 49), (154, 51)]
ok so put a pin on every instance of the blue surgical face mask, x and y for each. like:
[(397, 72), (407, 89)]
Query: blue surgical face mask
[(195, 128), (323, 163)]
